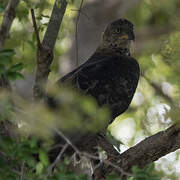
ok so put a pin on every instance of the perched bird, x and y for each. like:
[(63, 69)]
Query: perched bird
[(110, 75)]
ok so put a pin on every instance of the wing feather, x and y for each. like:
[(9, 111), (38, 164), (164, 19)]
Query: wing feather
[(112, 80)]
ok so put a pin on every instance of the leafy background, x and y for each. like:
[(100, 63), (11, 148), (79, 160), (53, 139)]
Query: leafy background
[(153, 107)]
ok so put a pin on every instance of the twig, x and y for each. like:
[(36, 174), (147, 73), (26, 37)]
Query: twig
[(51, 167), (83, 13), (35, 28), (57, 146), (145, 152), (22, 171), (67, 140), (89, 155), (106, 162), (16, 172), (9, 159), (4, 156), (76, 33)]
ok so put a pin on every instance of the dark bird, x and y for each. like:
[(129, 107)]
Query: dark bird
[(110, 75)]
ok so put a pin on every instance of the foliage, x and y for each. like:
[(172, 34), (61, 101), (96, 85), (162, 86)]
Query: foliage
[(149, 112), (146, 173), (72, 111), (24, 151), (20, 157), (12, 71)]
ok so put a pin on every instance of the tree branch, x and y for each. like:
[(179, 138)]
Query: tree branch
[(9, 15), (36, 29), (54, 24), (51, 167), (145, 152), (45, 51)]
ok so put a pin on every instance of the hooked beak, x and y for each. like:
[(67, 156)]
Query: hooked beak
[(129, 36)]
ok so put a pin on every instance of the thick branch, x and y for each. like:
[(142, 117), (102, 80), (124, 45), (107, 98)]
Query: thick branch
[(54, 24), (45, 51), (9, 15), (145, 152)]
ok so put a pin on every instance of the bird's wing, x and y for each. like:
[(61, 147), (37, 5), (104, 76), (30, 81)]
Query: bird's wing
[(94, 59), (112, 81)]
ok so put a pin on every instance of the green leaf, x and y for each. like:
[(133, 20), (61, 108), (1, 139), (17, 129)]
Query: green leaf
[(135, 169), (33, 142), (58, 4), (22, 12), (19, 75), (14, 75), (2, 68), (16, 67), (39, 168), (30, 161), (113, 177), (43, 157), (7, 52), (45, 16), (149, 168), (142, 175), (6, 56), (70, 1), (5, 60), (1, 8)]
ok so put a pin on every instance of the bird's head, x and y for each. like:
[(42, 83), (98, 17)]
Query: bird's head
[(118, 34)]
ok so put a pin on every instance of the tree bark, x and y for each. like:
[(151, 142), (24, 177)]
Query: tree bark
[(147, 151), (9, 15), (45, 50), (143, 153)]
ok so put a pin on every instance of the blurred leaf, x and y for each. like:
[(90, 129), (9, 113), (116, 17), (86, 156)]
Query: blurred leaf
[(6, 56), (39, 168), (144, 173), (1, 8), (113, 177), (149, 168), (45, 16), (14, 75), (43, 156), (16, 67), (7, 52), (33, 142), (22, 11), (2, 68), (58, 4)]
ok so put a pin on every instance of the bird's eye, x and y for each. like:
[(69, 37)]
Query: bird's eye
[(118, 30)]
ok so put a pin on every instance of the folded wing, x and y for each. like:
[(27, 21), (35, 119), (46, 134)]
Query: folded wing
[(112, 81)]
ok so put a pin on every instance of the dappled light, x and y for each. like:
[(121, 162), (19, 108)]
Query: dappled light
[(48, 124)]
